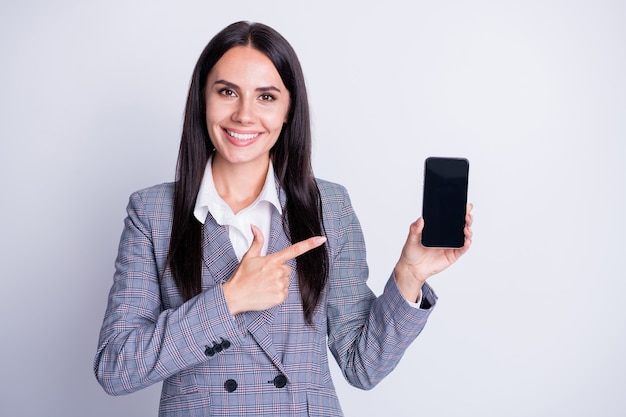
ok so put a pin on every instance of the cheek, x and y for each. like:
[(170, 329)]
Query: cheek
[(283, 117), (214, 115), (287, 110), (273, 119)]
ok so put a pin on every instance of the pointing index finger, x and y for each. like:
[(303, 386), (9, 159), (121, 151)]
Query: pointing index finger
[(298, 249)]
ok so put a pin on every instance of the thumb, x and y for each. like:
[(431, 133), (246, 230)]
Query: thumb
[(257, 242), (415, 231)]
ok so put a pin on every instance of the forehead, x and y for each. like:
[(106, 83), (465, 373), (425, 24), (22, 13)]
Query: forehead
[(245, 63)]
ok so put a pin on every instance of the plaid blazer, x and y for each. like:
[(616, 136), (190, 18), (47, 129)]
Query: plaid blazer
[(264, 363)]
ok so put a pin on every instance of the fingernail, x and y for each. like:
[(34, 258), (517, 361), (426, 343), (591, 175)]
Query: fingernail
[(320, 240)]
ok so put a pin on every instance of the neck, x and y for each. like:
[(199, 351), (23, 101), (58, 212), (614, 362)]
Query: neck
[(239, 184)]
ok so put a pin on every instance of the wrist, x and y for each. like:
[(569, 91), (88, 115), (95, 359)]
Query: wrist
[(231, 300), (409, 285)]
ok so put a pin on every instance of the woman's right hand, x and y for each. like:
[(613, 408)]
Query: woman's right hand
[(261, 282)]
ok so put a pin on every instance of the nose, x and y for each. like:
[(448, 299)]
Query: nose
[(244, 112)]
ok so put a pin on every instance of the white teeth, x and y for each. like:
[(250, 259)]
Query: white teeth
[(243, 136)]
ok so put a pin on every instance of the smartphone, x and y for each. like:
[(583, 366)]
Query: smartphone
[(445, 201)]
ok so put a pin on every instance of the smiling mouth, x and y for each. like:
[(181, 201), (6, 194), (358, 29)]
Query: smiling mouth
[(242, 136)]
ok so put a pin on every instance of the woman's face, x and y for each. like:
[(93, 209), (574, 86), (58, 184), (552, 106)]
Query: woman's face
[(247, 105)]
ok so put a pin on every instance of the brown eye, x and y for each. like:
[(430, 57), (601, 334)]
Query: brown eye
[(226, 92)]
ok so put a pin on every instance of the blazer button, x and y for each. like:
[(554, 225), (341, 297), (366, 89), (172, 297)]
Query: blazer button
[(280, 381), (209, 351), (225, 344), (230, 385)]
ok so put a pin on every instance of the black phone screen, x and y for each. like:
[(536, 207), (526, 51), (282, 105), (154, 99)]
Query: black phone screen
[(445, 200)]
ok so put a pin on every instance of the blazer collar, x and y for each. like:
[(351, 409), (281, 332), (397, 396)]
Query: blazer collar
[(218, 253)]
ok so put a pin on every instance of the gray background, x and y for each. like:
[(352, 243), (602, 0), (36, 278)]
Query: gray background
[(530, 323)]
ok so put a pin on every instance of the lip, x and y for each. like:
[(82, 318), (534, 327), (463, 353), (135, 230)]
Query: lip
[(241, 138)]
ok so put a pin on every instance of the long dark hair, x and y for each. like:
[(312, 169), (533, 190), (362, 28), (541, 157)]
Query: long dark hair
[(291, 157)]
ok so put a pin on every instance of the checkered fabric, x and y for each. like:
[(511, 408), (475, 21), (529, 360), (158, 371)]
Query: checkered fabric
[(266, 363)]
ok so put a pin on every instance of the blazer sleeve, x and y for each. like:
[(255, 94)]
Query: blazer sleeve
[(367, 335), (141, 342)]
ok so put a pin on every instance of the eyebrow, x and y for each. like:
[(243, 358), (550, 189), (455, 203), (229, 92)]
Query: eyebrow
[(236, 87)]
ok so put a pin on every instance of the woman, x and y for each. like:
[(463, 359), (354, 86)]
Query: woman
[(231, 282)]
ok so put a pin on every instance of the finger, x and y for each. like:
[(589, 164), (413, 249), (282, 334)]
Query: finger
[(286, 273), (468, 232), (469, 219), (257, 242), (466, 245), (420, 225), (415, 231), (298, 249)]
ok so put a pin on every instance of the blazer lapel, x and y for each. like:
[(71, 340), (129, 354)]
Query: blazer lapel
[(259, 322), (221, 262), (217, 252)]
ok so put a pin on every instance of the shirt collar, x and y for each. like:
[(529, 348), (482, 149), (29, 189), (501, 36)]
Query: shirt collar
[(209, 200)]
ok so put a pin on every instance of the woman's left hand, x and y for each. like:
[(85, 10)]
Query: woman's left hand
[(417, 263)]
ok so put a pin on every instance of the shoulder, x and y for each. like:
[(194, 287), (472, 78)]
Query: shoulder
[(157, 200), (156, 195), (331, 191), (335, 200), (341, 223)]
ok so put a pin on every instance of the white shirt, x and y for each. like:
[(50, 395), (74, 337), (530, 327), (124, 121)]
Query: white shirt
[(259, 213)]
